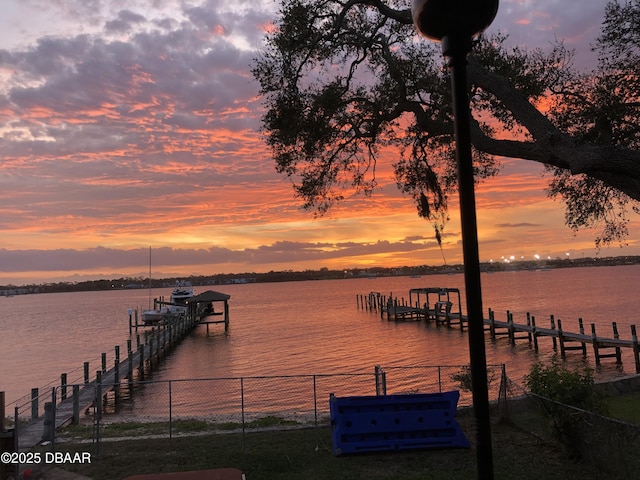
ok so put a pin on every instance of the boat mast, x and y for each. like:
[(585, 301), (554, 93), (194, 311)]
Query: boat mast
[(149, 277)]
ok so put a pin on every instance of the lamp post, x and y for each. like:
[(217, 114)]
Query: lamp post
[(455, 23)]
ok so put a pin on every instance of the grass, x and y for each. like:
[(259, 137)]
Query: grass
[(625, 407), (177, 427), (306, 454)]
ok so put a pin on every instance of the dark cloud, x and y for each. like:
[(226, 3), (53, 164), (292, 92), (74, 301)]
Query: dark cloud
[(281, 252), (125, 22), (517, 225)]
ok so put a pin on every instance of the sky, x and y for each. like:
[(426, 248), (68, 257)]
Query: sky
[(130, 125)]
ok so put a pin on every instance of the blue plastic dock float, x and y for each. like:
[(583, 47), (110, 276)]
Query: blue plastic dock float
[(395, 422)]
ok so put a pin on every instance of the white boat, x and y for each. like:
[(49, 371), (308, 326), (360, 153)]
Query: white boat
[(152, 316), (182, 292)]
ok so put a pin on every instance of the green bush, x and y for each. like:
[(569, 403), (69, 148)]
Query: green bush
[(558, 389), (463, 377)]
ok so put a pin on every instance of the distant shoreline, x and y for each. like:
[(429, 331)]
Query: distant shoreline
[(125, 283)]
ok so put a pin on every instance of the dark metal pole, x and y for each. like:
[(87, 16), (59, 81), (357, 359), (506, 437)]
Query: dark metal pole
[(456, 47)]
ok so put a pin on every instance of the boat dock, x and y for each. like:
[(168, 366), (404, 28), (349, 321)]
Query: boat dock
[(443, 307), (68, 401), (64, 403)]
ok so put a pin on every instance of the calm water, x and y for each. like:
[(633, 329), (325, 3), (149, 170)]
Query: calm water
[(308, 327)]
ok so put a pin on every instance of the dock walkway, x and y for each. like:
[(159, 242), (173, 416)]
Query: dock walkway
[(441, 309), (66, 409)]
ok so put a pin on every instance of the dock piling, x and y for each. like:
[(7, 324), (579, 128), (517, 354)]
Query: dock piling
[(399, 309), (76, 404), (636, 348), (63, 386), (596, 347), (141, 366), (35, 394), (563, 354)]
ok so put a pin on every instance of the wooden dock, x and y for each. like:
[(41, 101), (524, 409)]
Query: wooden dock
[(67, 401), (439, 305)]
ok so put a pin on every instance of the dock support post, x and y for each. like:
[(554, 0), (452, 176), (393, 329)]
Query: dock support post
[(561, 339), (584, 345), (98, 400), (130, 368), (616, 336), (553, 327), (116, 374), (594, 341), (63, 386), (86, 372), (151, 347), (104, 362), (534, 332), (76, 404), (636, 348), (529, 333), (512, 333), (141, 367), (492, 324), (49, 421), (34, 403)]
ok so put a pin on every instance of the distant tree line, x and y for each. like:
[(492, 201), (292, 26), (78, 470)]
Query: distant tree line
[(306, 275)]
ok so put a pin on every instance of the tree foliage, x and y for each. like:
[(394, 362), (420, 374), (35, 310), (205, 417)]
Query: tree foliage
[(345, 81)]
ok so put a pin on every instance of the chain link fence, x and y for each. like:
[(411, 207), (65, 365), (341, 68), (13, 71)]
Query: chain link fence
[(92, 413), (192, 407), (609, 444)]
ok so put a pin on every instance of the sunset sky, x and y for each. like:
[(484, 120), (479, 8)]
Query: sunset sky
[(129, 124)]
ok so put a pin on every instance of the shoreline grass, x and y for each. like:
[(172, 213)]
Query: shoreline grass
[(306, 454)]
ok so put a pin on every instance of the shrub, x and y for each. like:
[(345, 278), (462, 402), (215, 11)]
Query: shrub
[(463, 377), (558, 389)]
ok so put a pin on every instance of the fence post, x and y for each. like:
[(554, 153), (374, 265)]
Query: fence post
[(170, 413), (315, 402), (502, 395), (242, 407)]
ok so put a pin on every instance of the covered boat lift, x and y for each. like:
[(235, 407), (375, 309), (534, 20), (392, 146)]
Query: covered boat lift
[(204, 307)]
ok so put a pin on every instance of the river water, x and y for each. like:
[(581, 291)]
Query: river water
[(311, 327)]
